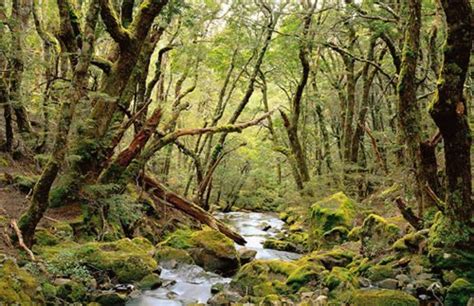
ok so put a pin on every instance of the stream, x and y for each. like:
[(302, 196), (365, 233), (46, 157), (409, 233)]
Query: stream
[(187, 284)]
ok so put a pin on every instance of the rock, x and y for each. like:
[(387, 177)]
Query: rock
[(124, 288), (165, 254), (336, 235), (364, 282), (265, 226), (336, 210), (340, 279), (403, 279), (262, 277), (72, 292), (216, 288), (280, 245), (209, 249), (389, 283), (377, 235), (224, 298), (306, 274), (380, 272), (111, 298), (333, 258), (382, 297), (61, 281), (459, 293), (412, 242), (127, 260), (246, 255), (470, 302), (150, 282), (17, 286)]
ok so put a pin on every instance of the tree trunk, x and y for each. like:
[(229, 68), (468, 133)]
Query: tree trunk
[(409, 110), (449, 109), (77, 91)]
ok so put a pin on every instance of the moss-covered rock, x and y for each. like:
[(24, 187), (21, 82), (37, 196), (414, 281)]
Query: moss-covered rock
[(72, 292), (380, 272), (411, 242), (209, 249), (383, 298), (330, 259), (459, 293), (336, 210), (151, 281), (340, 279), (125, 260), (166, 254), (336, 235), (280, 245), (377, 235), (263, 277), (17, 286), (307, 274)]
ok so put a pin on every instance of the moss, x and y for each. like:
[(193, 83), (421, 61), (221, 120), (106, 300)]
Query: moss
[(336, 235), (305, 274), (24, 183), (127, 260), (377, 235), (354, 234), (164, 253), (151, 281), (263, 277), (72, 292), (329, 259), (459, 293), (328, 213), (411, 242), (380, 272), (280, 245), (49, 291), (45, 238), (341, 279), (383, 298), (179, 239), (17, 285)]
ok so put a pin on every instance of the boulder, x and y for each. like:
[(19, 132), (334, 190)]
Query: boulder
[(280, 245), (224, 298), (125, 260), (166, 254), (388, 283), (377, 235), (382, 297), (246, 255), (334, 211), (150, 282), (209, 249), (260, 278)]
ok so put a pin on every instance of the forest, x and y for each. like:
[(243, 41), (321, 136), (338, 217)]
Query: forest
[(236, 152)]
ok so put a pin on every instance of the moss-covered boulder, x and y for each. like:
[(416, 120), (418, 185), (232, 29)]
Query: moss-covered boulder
[(411, 242), (379, 272), (383, 298), (377, 235), (150, 282), (334, 211), (125, 260), (280, 245), (308, 274), (459, 293), (336, 257), (167, 254), (72, 292), (263, 277), (209, 249), (17, 286)]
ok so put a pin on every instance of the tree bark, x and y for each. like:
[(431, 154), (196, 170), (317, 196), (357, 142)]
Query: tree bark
[(449, 109), (77, 91)]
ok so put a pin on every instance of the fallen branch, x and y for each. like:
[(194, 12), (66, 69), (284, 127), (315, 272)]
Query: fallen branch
[(20, 240), (436, 200), (408, 214), (189, 208)]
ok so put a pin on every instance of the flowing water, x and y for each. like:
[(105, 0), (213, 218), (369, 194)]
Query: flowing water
[(186, 284)]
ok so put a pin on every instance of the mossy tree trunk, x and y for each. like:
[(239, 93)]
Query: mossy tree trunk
[(449, 109), (77, 91), (409, 110)]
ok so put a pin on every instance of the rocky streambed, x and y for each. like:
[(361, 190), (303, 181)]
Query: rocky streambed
[(185, 284)]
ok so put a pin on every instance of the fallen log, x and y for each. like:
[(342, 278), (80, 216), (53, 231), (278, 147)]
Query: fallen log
[(189, 208)]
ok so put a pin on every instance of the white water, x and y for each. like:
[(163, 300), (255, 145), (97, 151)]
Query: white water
[(188, 284)]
